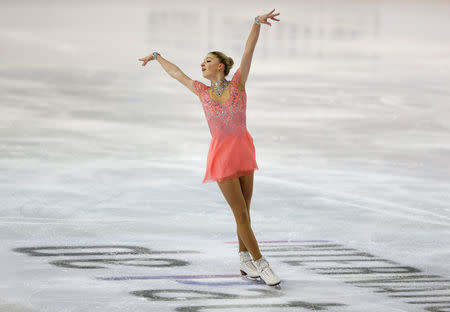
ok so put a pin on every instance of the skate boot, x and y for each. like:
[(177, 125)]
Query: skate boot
[(246, 264), (266, 272)]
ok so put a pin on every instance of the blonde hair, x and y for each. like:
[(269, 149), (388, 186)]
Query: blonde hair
[(225, 60)]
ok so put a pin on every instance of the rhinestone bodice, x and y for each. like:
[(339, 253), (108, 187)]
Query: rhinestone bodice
[(228, 118)]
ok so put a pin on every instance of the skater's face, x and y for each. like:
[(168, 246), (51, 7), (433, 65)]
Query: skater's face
[(211, 66)]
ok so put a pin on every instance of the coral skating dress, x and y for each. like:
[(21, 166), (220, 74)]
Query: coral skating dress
[(231, 152)]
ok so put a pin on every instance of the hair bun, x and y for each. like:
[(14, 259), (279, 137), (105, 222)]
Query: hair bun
[(226, 60)]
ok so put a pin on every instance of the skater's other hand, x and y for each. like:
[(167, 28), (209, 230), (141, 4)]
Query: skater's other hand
[(146, 59), (263, 18)]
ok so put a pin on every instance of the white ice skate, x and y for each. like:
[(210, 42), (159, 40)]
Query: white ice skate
[(246, 264), (266, 272)]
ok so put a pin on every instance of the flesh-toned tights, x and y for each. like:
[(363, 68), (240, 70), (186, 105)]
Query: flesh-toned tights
[(238, 194)]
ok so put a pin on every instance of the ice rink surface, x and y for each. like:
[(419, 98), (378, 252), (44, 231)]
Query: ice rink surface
[(102, 160)]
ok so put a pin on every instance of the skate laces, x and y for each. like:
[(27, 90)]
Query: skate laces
[(262, 264), (245, 256)]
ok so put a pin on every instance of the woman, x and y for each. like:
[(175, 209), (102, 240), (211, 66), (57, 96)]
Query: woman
[(231, 156)]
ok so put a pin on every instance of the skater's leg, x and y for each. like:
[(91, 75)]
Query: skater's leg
[(232, 191), (247, 190)]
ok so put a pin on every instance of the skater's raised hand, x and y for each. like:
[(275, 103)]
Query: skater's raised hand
[(146, 59), (263, 18)]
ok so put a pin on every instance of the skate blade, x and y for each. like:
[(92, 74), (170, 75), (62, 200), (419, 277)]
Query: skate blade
[(255, 280), (259, 280), (245, 274), (277, 286)]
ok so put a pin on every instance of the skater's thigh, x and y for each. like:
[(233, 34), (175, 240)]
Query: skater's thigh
[(231, 190), (247, 187)]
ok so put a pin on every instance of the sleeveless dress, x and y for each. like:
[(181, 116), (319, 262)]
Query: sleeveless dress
[(231, 152)]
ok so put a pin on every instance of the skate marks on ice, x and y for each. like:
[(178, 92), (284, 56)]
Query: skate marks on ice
[(110, 251), (94, 257), (365, 270), (349, 265), (263, 294)]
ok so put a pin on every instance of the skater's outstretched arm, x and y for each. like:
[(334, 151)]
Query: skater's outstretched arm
[(172, 69), (251, 43)]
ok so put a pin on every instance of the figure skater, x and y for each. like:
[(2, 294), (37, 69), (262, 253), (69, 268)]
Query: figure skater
[(231, 157)]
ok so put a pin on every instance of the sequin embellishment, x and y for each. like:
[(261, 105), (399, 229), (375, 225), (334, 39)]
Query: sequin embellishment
[(227, 118)]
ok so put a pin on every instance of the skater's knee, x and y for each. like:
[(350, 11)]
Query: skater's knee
[(242, 216)]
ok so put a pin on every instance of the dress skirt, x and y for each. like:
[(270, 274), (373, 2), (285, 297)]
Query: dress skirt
[(230, 157)]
